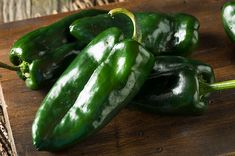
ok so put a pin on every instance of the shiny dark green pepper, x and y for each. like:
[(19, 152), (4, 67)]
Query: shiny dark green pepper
[(184, 87), (42, 71), (162, 34), (85, 99), (40, 42), (42, 54), (228, 18), (63, 94)]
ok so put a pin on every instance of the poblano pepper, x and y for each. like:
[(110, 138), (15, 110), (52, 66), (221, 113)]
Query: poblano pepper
[(162, 34), (42, 54), (228, 19), (184, 87), (101, 80)]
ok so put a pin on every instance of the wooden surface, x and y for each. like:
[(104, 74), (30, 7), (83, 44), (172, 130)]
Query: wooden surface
[(13, 10), (7, 145), (133, 132)]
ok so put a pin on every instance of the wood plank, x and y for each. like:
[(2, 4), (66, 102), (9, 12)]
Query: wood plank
[(9, 145), (133, 132)]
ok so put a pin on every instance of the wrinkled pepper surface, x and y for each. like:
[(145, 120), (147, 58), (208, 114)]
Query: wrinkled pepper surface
[(41, 55), (179, 89), (101, 80), (162, 34), (184, 87), (228, 18)]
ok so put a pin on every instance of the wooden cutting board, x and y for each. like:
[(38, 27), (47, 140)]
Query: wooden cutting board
[(133, 132)]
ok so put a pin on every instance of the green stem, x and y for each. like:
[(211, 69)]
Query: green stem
[(132, 18), (6, 66), (229, 84), (217, 86)]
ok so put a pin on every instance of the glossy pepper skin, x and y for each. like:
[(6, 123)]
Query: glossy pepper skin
[(63, 94), (162, 34), (125, 70), (39, 52), (46, 69), (181, 89), (185, 38), (228, 18), (85, 99)]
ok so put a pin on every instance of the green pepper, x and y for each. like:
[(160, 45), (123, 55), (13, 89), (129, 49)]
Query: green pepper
[(63, 94), (228, 18), (40, 42), (184, 87), (162, 34), (101, 80), (51, 66), (40, 55), (185, 38)]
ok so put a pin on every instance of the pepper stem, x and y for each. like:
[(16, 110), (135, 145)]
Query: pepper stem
[(132, 18), (217, 86), (229, 84), (6, 66)]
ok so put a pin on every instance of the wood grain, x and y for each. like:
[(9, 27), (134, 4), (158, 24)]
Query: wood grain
[(6, 139), (133, 132)]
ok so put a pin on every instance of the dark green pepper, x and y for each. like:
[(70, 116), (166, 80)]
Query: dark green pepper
[(41, 55), (162, 34), (85, 99), (63, 94), (184, 87), (228, 18), (185, 38), (51, 66), (40, 42)]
